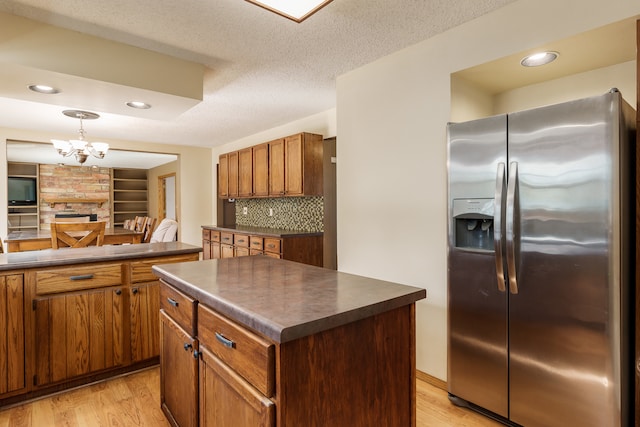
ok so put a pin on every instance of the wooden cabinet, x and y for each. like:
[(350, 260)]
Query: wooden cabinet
[(178, 374), (12, 344), (178, 356), (299, 247), (144, 305), (245, 172), (223, 176), (227, 399), (296, 166), (129, 195), (77, 333), (291, 166), (210, 244), (20, 216), (261, 170), (348, 361)]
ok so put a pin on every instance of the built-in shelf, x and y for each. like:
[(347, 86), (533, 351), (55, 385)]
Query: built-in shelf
[(128, 194), (24, 217)]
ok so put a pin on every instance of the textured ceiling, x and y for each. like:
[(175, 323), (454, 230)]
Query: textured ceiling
[(262, 70)]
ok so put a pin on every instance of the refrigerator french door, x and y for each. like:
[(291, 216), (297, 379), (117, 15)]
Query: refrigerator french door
[(539, 258)]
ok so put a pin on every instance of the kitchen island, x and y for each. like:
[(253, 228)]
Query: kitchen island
[(73, 316), (257, 341)]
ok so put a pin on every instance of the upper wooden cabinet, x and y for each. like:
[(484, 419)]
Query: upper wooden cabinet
[(223, 176), (290, 166), (245, 172), (261, 170)]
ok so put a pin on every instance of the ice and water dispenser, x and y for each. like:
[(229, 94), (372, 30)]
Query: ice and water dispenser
[(473, 222)]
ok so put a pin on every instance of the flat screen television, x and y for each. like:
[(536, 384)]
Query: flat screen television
[(22, 191)]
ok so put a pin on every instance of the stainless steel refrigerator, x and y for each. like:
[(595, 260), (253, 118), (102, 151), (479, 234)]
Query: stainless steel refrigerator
[(540, 250)]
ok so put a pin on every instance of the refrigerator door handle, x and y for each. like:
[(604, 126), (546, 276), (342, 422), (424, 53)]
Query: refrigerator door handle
[(498, 223), (510, 237)]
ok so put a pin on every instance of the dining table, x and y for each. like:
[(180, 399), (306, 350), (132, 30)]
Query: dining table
[(33, 240)]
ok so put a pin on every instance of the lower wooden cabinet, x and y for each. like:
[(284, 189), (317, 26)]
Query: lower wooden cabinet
[(300, 247), (226, 399), (144, 305), (178, 373), (12, 345), (78, 333)]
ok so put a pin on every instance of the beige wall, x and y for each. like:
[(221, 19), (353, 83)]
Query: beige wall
[(154, 191), (391, 117), (193, 187)]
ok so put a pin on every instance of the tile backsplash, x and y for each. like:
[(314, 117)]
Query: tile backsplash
[(289, 213)]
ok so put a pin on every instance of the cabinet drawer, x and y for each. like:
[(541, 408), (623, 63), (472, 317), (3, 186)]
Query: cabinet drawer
[(214, 236), (240, 251), (251, 356), (272, 245), (206, 234), (241, 240), (179, 307), (226, 238), (141, 270), (256, 242), (77, 278)]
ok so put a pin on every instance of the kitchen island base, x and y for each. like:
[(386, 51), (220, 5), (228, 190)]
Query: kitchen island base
[(279, 343)]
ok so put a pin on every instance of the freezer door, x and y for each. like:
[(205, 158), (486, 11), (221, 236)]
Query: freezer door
[(477, 304), (566, 330)]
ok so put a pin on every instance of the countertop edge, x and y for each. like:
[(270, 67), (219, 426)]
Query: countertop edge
[(277, 332), (59, 257), (264, 231)]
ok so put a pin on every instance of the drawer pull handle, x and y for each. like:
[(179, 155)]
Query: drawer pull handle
[(187, 347), (82, 277), (225, 341), (172, 302)]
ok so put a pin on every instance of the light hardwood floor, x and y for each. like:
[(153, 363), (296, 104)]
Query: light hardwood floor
[(133, 400)]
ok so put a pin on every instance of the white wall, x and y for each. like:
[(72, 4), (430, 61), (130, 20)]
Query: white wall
[(392, 149), (194, 180)]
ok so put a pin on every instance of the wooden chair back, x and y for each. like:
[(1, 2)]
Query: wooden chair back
[(149, 226), (141, 221), (77, 234), (73, 219)]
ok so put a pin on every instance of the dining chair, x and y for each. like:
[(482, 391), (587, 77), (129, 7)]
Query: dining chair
[(165, 232), (149, 227), (77, 234), (140, 223), (73, 219)]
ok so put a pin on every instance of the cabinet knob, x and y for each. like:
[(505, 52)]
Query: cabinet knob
[(187, 346), (134, 290), (118, 291), (196, 354)]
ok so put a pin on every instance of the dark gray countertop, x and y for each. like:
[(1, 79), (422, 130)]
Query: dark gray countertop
[(66, 256), (285, 300), (263, 231)]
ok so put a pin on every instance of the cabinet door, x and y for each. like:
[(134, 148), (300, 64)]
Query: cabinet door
[(293, 155), (261, 170), (223, 176), (178, 373), (77, 334), (144, 306), (226, 399), (226, 251), (245, 172), (233, 174), (276, 167), (215, 250), (12, 353)]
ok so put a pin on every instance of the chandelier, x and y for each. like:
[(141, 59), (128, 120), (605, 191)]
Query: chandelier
[(80, 148)]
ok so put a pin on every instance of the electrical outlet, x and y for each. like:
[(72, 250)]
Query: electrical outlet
[(270, 211), (245, 210)]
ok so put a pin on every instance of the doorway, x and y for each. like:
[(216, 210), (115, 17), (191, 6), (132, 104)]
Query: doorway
[(167, 197)]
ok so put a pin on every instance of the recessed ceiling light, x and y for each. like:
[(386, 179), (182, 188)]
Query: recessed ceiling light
[(537, 59), (296, 10), (44, 89), (139, 105)]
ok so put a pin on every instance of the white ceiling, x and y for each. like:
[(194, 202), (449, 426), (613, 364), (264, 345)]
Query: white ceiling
[(262, 70)]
